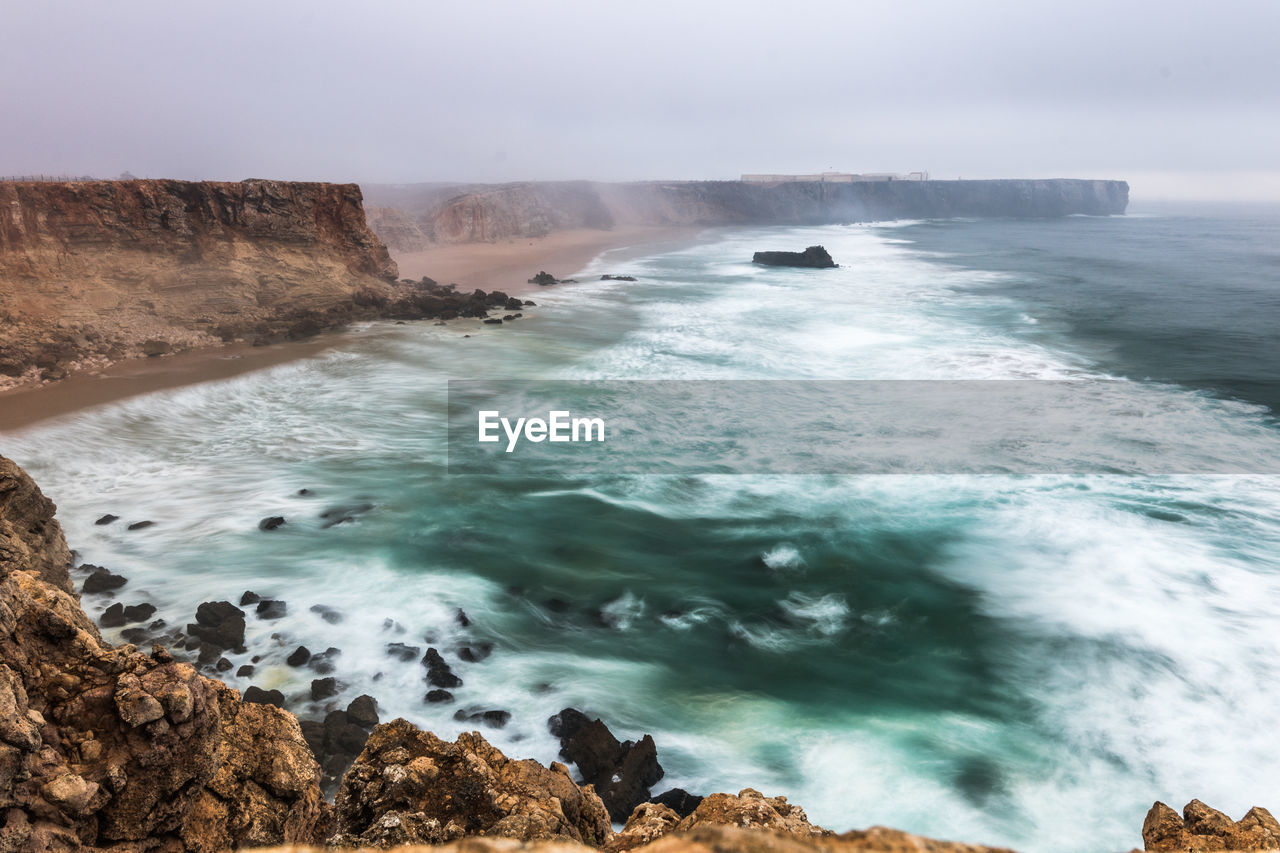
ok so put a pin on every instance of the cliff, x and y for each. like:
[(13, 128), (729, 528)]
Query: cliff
[(478, 214), (109, 748), (98, 270)]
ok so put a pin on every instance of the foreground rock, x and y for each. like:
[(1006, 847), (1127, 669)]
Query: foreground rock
[(409, 786), (103, 746), (814, 257), (1200, 827)]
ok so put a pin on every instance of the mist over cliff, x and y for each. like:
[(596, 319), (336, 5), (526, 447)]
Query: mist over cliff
[(410, 217)]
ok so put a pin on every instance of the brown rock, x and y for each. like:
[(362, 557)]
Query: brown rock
[(410, 786), (30, 538), (752, 809), (648, 822), (1201, 827)]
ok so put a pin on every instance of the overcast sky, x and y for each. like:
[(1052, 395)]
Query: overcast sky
[(1180, 97)]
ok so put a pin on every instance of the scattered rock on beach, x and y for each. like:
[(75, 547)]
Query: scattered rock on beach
[(101, 580)]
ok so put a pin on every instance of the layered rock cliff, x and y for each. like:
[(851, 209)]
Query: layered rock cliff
[(109, 269), (478, 214)]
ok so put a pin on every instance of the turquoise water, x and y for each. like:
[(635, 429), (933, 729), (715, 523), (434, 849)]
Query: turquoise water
[(1027, 661)]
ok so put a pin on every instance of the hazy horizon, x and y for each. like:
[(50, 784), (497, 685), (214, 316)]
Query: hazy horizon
[(1182, 105)]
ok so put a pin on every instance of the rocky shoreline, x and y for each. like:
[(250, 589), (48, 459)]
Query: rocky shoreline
[(115, 748)]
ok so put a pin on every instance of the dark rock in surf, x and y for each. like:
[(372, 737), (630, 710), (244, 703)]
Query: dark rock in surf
[(475, 652), (324, 662), (438, 696), (269, 608), (363, 711), (102, 580), (245, 671), (543, 278), (328, 614), (323, 688), (219, 624), (617, 278), (495, 719), (493, 321), (402, 652), (343, 513), (299, 657), (271, 522), (814, 257), (249, 598), (439, 673), (257, 695), (621, 772), (141, 525), (460, 616), (107, 519)]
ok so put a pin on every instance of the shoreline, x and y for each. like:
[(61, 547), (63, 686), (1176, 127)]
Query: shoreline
[(504, 266)]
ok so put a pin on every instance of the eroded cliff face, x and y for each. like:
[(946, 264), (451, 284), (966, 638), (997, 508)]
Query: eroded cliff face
[(479, 214), (99, 270)]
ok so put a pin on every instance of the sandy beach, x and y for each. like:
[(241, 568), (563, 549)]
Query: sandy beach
[(503, 266)]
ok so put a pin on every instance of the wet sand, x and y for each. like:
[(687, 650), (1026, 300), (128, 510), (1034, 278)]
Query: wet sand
[(503, 266)]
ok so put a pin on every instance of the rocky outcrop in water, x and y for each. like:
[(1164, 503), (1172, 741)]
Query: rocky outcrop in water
[(93, 271), (814, 257)]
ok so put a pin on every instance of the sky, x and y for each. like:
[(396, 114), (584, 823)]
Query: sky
[(1180, 98)]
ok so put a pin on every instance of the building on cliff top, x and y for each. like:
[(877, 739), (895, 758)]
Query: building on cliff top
[(836, 178)]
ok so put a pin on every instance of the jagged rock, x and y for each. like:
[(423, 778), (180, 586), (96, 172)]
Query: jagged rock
[(814, 257), (543, 278), (271, 522), (219, 624), (752, 809), (1203, 828), (409, 786), (30, 538), (101, 580), (621, 772), (679, 801), (460, 616)]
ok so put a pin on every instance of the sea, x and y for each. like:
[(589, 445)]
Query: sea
[(1029, 659)]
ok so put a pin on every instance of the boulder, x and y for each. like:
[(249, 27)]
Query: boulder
[(439, 673), (101, 580), (219, 624), (271, 522), (298, 657), (410, 787), (814, 257), (269, 608), (140, 525), (1200, 827), (679, 801), (543, 278), (107, 519)]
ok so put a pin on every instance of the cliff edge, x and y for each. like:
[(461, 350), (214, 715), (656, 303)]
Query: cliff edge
[(92, 271)]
